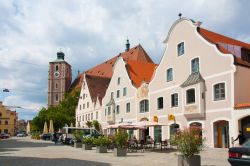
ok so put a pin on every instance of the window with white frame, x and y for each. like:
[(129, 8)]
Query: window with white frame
[(219, 91), (80, 106), (112, 94), (87, 104), (169, 74), (82, 117), (118, 94), (117, 109), (83, 106), (180, 48), (190, 95), (118, 80), (124, 91), (160, 103), (174, 100), (143, 106), (127, 107), (96, 115), (91, 116), (109, 110), (195, 65)]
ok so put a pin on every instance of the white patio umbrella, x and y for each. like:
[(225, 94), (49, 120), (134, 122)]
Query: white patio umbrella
[(148, 124), (45, 128), (28, 128), (51, 127)]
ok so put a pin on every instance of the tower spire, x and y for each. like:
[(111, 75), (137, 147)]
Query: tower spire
[(127, 45)]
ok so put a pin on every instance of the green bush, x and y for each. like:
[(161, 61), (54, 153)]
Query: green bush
[(189, 142), (102, 141), (121, 139), (78, 136), (88, 140), (35, 136)]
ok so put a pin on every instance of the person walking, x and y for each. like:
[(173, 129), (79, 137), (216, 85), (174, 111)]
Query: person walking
[(55, 137), (241, 137)]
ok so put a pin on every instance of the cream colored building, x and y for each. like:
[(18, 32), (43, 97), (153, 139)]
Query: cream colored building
[(8, 120), (200, 78), (95, 82)]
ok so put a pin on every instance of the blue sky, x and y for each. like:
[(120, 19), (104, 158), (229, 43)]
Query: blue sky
[(91, 31)]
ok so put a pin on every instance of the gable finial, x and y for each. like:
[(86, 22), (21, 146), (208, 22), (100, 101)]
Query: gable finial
[(179, 15)]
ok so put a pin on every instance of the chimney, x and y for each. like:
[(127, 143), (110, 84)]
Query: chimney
[(127, 45)]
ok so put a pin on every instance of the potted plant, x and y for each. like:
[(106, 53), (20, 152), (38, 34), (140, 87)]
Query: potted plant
[(78, 139), (87, 143), (102, 143), (121, 139), (189, 143)]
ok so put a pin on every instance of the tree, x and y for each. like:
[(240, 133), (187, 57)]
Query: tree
[(96, 125), (62, 114), (89, 124)]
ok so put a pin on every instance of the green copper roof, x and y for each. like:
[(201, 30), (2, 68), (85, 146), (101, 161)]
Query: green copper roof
[(192, 79)]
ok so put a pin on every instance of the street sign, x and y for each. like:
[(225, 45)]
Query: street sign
[(171, 117)]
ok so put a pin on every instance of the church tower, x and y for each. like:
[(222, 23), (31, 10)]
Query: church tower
[(59, 79)]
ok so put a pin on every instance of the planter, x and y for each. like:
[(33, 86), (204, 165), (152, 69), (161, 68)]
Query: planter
[(192, 161), (86, 146), (77, 144), (120, 151), (101, 149)]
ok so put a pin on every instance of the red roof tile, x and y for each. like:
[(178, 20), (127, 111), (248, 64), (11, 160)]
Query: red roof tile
[(140, 72), (242, 105), (104, 71), (220, 40)]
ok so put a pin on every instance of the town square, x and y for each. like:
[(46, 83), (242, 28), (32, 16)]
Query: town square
[(124, 83)]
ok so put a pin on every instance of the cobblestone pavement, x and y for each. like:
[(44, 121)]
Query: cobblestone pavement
[(27, 152)]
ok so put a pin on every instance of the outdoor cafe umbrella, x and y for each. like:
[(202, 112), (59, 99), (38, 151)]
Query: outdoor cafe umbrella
[(45, 128), (51, 127), (145, 123), (125, 125)]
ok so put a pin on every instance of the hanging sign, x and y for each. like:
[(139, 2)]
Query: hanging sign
[(171, 117), (155, 118)]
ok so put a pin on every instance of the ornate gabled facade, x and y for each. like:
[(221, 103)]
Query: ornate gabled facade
[(202, 81), (96, 81)]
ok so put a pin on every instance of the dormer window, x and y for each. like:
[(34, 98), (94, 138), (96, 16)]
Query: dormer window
[(180, 48), (246, 57)]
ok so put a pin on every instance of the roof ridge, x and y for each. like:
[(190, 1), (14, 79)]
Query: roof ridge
[(223, 36)]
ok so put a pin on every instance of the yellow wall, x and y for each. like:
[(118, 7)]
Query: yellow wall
[(10, 117)]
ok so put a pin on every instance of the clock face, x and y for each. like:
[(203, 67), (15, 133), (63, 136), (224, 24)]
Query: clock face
[(56, 74)]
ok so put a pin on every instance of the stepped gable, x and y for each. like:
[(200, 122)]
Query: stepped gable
[(140, 72), (227, 45)]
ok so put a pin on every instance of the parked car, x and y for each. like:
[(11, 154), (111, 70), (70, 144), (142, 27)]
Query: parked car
[(47, 136), (21, 134), (240, 156), (4, 136), (68, 137)]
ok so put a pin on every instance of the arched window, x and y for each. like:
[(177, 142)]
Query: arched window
[(56, 67), (143, 106)]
